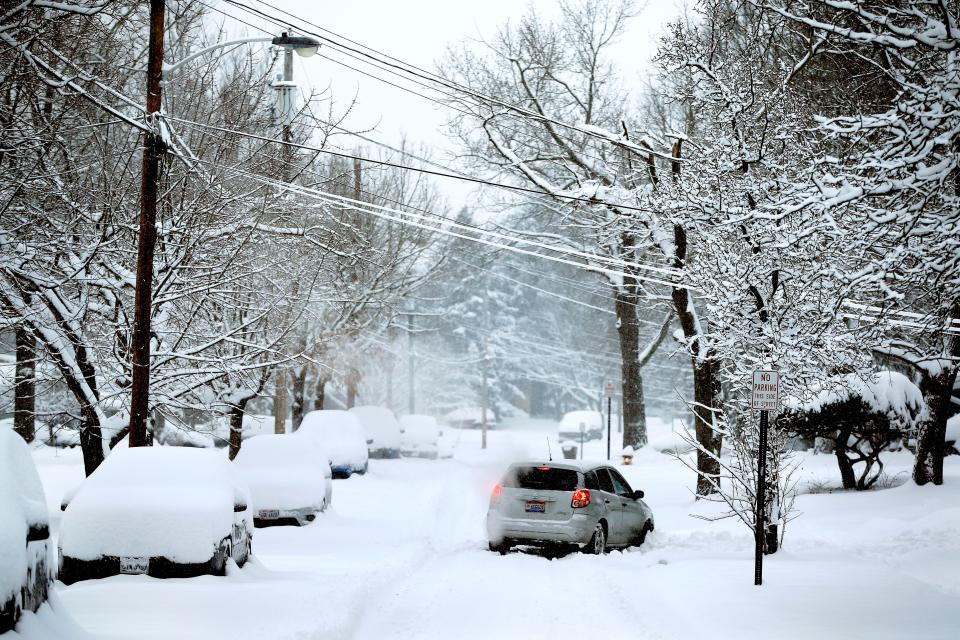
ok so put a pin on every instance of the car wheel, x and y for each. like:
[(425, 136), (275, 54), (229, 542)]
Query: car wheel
[(647, 528), (598, 541), (502, 547)]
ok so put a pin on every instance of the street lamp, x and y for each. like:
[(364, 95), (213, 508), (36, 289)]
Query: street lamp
[(153, 149)]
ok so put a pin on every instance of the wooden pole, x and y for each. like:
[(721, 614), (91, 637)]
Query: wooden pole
[(153, 148)]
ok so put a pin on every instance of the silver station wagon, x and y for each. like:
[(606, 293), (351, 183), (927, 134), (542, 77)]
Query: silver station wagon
[(585, 504)]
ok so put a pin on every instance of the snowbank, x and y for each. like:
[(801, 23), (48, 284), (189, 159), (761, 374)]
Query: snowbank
[(284, 472), (22, 505), (173, 502), (339, 433), (380, 425)]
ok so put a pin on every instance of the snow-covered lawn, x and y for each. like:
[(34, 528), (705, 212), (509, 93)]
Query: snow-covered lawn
[(402, 554)]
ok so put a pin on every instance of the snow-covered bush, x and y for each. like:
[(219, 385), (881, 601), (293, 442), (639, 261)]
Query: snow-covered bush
[(860, 417)]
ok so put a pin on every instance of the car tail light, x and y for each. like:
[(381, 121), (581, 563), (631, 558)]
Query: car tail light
[(581, 498), (495, 497)]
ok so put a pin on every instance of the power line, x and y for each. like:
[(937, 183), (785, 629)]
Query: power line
[(588, 256)]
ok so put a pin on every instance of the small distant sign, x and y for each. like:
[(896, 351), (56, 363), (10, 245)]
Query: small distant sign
[(608, 390), (765, 391)]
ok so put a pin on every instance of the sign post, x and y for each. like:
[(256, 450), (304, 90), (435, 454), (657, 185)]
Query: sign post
[(765, 397), (609, 393)]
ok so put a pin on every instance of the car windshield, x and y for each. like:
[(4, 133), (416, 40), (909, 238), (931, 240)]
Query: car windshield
[(545, 478)]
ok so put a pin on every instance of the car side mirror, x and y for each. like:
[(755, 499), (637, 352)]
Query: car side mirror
[(369, 440), (637, 494)]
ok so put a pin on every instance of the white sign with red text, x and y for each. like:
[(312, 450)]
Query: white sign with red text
[(765, 391)]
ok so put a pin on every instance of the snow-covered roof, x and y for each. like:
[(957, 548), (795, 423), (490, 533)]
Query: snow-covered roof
[(173, 502)]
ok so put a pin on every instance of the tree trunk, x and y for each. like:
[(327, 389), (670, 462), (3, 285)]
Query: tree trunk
[(353, 379), (236, 427), (846, 467), (25, 394), (706, 396), (322, 380), (937, 392), (91, 440), (628, 330), (299, 396)]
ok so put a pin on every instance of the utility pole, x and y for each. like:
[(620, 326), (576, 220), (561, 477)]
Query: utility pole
[(280, 402), (483, 398), (285, 110), (153, 148), (411, 363)]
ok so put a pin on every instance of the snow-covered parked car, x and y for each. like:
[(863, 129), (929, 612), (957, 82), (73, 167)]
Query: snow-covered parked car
[(24, 532), (168, 512), (339, 434), (287, 485), (592, 421), (421, 436), (382, 427)]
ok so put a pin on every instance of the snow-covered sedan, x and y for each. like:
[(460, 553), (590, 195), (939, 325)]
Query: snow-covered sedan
[(339, 434), (421, 436), (590, 423), (585, 504), (382, 428), (24, 532), (168, 512), (287, 485)]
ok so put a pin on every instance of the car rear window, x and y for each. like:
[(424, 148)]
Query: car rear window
[(544, 478)]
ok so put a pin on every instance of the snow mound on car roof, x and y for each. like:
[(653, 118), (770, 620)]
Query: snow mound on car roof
[(339, 433), (154, 501), (22, 504), (419, 430), (283, 472), (380, 424)]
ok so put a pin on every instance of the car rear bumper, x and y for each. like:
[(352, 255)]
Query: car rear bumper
[(577, 530), (384, 453), (272, 517), (431, 454)]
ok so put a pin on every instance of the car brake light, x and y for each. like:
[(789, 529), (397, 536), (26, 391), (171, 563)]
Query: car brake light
[(543, 468), (581, 498), (495, 497)]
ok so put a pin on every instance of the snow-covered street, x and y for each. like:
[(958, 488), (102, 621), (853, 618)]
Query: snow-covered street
[(403, 554)]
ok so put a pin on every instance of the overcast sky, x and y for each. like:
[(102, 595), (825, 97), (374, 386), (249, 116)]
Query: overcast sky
[(418, 32)]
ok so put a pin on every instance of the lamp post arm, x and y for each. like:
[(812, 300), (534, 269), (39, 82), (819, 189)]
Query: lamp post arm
[(169, 69)]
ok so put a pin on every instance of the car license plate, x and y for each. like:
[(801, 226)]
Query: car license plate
[(134, 564), (536, 507), (269, 514)]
